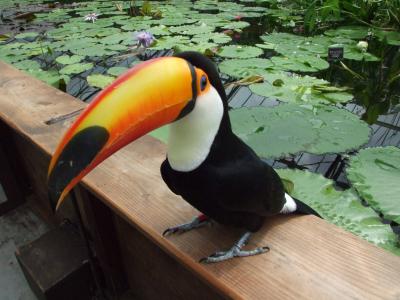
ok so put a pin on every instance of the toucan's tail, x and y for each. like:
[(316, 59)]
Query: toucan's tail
[(294, 205)]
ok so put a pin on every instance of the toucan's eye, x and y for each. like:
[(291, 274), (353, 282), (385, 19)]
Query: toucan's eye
[(203, 82)]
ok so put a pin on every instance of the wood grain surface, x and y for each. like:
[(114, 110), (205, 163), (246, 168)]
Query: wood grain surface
[(309, 258)]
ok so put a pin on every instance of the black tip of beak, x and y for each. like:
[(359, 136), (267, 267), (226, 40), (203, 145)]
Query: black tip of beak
[(78, 153)]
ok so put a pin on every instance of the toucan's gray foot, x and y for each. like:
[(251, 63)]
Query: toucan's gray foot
[(197, 222), (235, 251)]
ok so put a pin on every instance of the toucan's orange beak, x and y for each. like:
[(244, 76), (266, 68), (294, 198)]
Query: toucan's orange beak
[(148, 96)]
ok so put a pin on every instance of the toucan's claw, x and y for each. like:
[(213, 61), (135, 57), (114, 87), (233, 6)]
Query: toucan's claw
[(197, 222), (235, 251)]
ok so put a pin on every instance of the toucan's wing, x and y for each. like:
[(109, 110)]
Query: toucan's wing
[(169, 180), (251, 186)]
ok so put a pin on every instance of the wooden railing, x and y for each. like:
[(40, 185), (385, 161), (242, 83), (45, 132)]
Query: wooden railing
[(126, 207)]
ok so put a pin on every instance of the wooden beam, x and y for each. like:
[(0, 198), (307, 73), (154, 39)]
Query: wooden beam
[(12, 176), (309, 257)]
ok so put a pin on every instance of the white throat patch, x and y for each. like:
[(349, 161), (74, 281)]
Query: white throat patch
[(190, 138)]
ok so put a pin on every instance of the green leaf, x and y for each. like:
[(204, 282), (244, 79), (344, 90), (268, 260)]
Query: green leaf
[(236, 25), (215, 37), (27, 35), (99, 80), (351, 32), (68, 60), (27, 65), (390, 37), (289, 129), (375, 174), (236, 51), (170, 42), (300, 89), (242, 68), (308, 50), (93, 50), (50, 77), (76, 68), (192, 29), (342, 208), (116, 71)]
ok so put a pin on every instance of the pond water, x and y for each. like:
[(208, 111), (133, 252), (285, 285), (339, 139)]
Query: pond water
[(249, 40)]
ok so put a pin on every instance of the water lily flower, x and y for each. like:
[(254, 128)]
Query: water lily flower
[(144, 38), (362, 46), (91, 17)]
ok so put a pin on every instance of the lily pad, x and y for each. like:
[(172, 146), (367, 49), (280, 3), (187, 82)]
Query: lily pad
[(116, 71), (99, 80), (27, 35), (352, 32), (93, 50), (342, 208), (375, 174), (242, 68), (236, 25), (390, 37), (192, 29), (165, 43), (300, 63), (27, 65), (288, 129), (300, 89), (76, 68), (310, 49), (215, 37), (68, 60), (237, 51)]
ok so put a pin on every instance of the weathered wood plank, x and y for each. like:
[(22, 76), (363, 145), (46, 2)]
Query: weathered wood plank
[(309, 258)]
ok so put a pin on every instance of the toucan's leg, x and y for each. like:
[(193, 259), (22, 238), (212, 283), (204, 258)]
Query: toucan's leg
[(197, 222), (235, 251)]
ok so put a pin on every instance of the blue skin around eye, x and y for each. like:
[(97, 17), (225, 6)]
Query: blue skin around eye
[(203, 82)]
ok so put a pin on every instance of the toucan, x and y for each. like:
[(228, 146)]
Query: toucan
[(206, 163)]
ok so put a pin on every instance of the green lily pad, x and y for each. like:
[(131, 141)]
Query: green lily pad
[(27, 35), (192, 29), (76, 68), (289, 129), (99, 80), (375, 174), (391, 37), (309, 49), (116, 38), (236, 51), (342, 208), (165, 43), (27, 65), (243, 68), (93, 50), (51, 77), (160, 30), (215, 37), (68, 60), (351, 32), (176, 21), (300, 63), (300, 89), (116, 71), (236, 25), (203, 48)]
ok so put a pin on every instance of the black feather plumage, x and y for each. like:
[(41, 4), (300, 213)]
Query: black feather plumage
[(233, 185)]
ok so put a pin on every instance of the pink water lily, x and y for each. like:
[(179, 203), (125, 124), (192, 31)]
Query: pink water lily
[(91, 17)]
